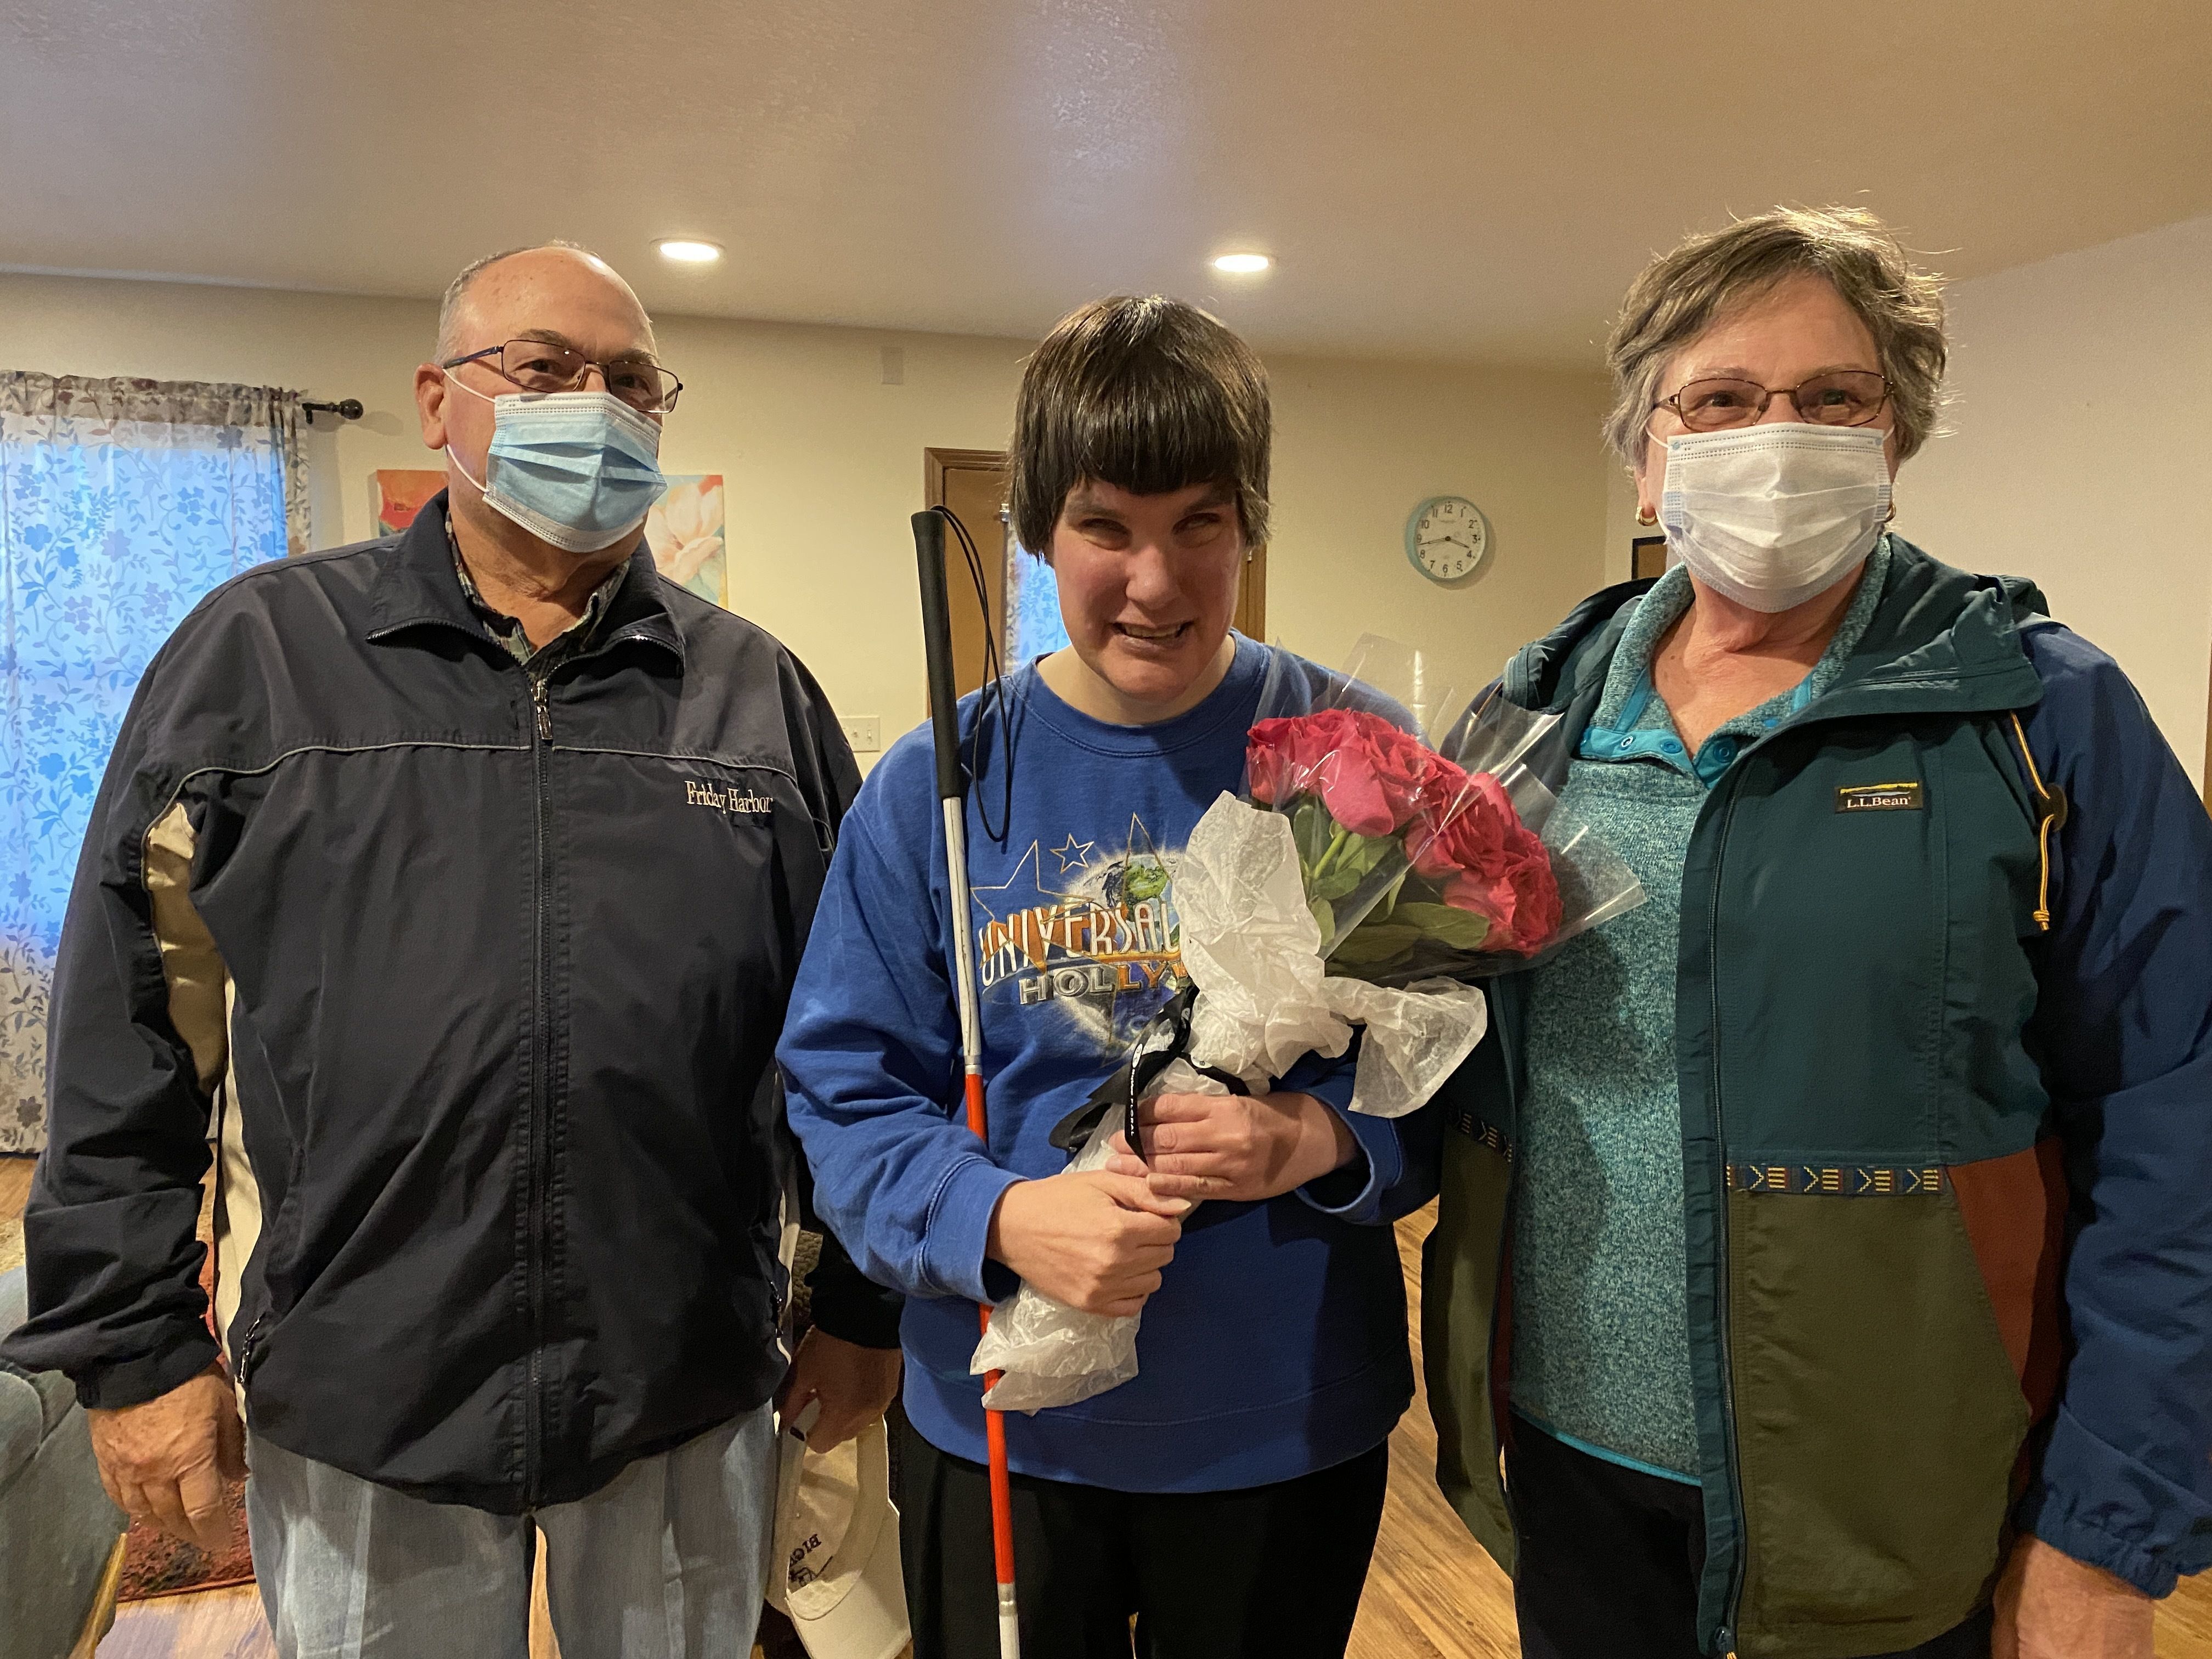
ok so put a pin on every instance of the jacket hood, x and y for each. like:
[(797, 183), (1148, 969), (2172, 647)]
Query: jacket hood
[(1941, 638)]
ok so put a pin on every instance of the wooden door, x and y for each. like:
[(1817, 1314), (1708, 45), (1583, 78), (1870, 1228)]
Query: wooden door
[(973, 483), (1251, 619)]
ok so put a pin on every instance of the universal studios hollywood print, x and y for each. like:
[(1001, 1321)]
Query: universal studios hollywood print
[(1085, 928)]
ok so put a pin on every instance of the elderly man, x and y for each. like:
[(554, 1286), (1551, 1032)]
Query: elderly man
[(464, 873)]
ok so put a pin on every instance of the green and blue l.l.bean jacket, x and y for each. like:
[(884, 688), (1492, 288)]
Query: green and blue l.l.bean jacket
[(1947, 1134)]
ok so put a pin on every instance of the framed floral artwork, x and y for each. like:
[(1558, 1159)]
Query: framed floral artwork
[(398, 494), (684, 530)]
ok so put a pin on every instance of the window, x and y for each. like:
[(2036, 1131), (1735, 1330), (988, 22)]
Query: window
[(1033, 622), (122, 503)]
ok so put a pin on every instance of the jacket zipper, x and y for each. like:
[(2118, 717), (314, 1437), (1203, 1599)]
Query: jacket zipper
[(246, 1355), (1731, 1605), (537, 1174), (1726, 1635), (1502, 1387)]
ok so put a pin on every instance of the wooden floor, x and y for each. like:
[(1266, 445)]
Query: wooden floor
[(1432, 1594)]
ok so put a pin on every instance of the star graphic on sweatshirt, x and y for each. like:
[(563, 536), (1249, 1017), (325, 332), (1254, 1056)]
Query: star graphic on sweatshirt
[(1024, 890), (1075, 855)]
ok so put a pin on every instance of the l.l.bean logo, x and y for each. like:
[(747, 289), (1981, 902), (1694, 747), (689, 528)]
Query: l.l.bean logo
[(1881, 798)]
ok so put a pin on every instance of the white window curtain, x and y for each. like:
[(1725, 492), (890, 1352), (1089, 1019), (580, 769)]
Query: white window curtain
[(122, 503)]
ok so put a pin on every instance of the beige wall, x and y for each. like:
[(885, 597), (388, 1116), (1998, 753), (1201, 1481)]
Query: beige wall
[(824, 462), (2082, 454), (1358, 445)]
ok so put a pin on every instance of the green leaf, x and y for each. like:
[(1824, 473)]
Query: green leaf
[(1376, 945), (1447, 924), (1395, 892), (1309, 824), (1363, 852), (1335, 883), (1325, 916)]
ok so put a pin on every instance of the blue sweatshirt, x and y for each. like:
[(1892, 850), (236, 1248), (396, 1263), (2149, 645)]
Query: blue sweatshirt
[(1277, 1345)]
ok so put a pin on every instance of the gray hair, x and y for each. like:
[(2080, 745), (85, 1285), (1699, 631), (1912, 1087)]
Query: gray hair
[(1683, 293), (449, 307)]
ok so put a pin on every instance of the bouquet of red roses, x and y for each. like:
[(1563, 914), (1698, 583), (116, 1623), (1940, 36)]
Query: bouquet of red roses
[(1419, 863), (1407, 856)]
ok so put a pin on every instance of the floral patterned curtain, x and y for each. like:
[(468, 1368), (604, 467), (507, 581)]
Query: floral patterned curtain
[(122, 503)]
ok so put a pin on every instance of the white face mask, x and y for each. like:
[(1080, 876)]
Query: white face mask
[(1773, 515)]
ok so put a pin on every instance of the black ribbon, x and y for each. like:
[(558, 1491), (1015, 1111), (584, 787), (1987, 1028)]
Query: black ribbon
[(1165, 1039)]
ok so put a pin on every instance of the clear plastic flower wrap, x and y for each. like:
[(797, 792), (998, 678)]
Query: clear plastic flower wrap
[(1368, 877), (1450, 859)]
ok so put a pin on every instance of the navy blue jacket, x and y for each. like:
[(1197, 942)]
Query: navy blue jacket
[(2124, 1032), (489, 987)]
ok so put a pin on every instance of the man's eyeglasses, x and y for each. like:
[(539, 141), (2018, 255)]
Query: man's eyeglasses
[(1846, 397), (547, 366)]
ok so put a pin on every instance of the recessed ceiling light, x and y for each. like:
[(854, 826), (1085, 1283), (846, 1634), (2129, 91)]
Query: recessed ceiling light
[(1243, 264), (686, 252)]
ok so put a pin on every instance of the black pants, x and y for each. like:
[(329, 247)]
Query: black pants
[(1269, 1570), (1609, 1559)]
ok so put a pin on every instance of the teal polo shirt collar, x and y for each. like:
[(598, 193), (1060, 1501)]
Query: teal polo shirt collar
[(1633, 721)]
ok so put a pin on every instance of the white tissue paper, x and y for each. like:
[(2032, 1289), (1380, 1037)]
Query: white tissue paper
[(1266, 999)]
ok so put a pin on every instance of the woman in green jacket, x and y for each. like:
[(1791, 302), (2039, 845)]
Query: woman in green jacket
[(1827, 1244)]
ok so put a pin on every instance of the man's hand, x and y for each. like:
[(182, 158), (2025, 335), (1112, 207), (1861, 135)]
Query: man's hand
[(1240, 1147), (855, 1385), (2050, 1605), (165, 1460), (1094, 1240)]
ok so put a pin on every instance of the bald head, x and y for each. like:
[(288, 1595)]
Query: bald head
[(515, 292), (560, 296)]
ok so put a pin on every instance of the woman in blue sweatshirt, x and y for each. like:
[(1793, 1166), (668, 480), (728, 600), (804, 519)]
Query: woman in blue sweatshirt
[(1227, 1498)]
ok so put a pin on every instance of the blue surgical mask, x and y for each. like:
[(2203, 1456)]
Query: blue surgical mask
[(578, 469)]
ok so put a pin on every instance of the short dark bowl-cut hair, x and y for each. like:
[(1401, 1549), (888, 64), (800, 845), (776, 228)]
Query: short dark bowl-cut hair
[(1151, 395)]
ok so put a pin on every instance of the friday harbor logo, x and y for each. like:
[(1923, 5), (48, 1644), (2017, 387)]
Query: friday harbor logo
[(731, 799), (1098, 937)]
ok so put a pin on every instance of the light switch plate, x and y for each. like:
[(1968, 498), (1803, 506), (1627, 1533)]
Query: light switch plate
[(865, 733)]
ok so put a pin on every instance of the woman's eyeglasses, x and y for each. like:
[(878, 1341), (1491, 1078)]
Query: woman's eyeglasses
[(1847, 397)]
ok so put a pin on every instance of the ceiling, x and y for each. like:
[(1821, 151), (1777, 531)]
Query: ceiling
[(1437, 179)]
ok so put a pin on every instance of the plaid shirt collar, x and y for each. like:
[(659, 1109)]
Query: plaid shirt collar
[(510, 633)]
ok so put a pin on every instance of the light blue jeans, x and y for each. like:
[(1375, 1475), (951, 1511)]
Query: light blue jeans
[(666, 1561)]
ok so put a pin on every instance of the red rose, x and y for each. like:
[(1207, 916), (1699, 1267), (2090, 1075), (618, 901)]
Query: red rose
[(1486, 860), (1370, 775), (1279, 756)]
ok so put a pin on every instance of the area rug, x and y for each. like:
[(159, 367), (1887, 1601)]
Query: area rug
[(14, 1184), (155, 1564)]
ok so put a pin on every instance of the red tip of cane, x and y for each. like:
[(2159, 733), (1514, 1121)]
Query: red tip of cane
[(1002, 1495)]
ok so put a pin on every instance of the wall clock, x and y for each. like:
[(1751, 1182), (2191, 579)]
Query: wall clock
[(1447, 539)]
